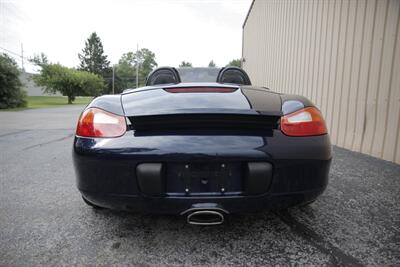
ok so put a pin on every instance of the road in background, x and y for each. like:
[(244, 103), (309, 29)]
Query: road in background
[(43, 220)]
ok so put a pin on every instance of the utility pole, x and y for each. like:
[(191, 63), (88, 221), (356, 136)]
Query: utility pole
[(113, 79), (22, 57), (137, 65)]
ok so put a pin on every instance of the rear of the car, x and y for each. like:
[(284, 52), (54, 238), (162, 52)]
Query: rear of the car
[(202, 150)]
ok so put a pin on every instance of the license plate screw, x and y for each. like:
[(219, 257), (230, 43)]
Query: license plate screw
[(222, 189), (187, 190), (186, 166), (222, 165)]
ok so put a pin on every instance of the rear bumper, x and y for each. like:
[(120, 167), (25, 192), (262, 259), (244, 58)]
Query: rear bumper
[(178, 205), (106, 169)]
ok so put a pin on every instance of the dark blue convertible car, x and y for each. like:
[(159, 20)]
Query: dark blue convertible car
[(203, 143)]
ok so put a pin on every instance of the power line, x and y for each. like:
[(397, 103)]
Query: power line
[(15, 54), (11, 52)]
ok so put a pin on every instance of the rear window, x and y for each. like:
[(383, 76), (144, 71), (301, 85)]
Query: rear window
[(198, 74)]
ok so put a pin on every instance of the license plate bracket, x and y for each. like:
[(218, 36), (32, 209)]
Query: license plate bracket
[(204, 177)]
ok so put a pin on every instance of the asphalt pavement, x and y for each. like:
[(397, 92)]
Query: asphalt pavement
[(43, 220)]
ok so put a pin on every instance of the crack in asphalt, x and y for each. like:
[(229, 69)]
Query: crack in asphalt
[(338, 257), (18, 132), (49, 142)]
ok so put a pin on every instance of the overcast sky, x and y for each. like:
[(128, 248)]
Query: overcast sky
[(175, 30)]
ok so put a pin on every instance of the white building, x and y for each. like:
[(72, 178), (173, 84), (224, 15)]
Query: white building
[(30, 87)]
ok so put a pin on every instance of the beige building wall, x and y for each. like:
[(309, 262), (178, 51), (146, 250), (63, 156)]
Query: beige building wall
[(343, 55)]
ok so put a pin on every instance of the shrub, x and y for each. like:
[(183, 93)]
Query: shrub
[(11, 93)]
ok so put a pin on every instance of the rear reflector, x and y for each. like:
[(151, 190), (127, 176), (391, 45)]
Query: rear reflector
[(95, 122), (304, 122), (200, 90)]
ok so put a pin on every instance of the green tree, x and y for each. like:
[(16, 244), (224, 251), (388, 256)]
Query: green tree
[(92, 58), (185, 64), (126, 69), (69, 82), (11, 94), (235, 63), (125, 72), (95, 61), (121, 83), (40, 60), (147, 62), (211, 64)]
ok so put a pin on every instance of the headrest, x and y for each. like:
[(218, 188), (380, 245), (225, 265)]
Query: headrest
[(233, 75), (163, 75)]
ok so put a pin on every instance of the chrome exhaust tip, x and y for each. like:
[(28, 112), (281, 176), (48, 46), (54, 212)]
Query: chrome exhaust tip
[(205, 217)]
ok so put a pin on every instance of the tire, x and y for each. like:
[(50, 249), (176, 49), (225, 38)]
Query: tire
[(91, 204)]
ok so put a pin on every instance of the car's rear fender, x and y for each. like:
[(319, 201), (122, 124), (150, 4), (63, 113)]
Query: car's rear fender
[(110, 103)]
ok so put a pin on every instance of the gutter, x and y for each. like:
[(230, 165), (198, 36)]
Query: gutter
[(248, 13)]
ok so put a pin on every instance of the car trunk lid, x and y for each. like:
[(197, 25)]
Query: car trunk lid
[(202, 107)]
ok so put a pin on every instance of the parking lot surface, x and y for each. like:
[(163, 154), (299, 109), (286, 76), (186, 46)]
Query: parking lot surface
[(43, 220)]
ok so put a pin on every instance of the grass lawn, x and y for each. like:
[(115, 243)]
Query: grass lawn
[(55, 101), (51, 101)]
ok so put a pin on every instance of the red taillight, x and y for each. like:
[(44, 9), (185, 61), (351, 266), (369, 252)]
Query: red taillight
[(304, 122), (96, 122), (200, 90)]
